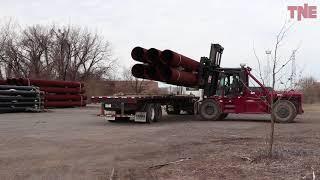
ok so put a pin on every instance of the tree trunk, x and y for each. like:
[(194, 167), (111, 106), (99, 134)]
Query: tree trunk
[(270, 151)]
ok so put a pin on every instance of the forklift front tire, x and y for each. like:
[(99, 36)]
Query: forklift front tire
[(210, 110), (284, 111)]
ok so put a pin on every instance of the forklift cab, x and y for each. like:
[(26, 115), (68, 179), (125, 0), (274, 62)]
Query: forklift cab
[(230, 83), (234, 93)]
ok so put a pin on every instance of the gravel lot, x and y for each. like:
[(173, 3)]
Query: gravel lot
[(76, 144)]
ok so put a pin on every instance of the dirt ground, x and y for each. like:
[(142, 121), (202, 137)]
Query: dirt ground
[(77, 144)]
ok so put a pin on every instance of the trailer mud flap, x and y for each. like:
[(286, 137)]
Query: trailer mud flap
[(140, 117), (110, 115)]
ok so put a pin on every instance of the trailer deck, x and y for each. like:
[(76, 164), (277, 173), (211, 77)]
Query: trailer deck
[(146, 108)]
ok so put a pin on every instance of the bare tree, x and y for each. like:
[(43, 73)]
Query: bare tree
[(34, 46), (137, 85), (310, 89), (277, 66), (9, 55), (79, 54), (65, 53)]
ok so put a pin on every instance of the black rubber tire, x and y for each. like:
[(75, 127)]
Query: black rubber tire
[(284, 111), (193, 110), (223, 116), (190, 112), (210, 110), (158, 111), (150, 110)]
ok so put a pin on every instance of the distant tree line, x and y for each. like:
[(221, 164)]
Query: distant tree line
[(310, 89), (53, 52)]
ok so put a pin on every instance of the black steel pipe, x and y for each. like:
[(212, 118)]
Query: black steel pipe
[(19, 104), (19, 109), (18, 98), (20, 93), (8, 87), (12, 109)]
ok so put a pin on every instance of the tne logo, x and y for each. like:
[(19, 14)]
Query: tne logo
[(304, 11)]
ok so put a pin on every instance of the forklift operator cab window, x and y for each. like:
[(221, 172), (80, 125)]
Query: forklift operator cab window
[(235, 85), (229, 85), (220, 88)]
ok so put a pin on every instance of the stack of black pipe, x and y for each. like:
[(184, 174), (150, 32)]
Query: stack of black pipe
[(20, 98)]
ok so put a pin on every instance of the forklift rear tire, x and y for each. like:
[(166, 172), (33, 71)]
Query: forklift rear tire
[(210, 110), (158, 111), (151, 113), (284, 111)]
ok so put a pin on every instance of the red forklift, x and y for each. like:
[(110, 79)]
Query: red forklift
[(227, 90)]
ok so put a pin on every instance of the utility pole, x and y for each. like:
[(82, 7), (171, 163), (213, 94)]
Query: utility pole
[(268, 69), (293, 69)]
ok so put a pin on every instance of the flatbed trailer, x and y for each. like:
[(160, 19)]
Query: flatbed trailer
[(147, 108)]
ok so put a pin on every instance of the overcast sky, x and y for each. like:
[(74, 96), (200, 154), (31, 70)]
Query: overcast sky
[(187, 27)]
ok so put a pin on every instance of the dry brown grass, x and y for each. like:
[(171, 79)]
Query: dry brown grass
[(311, 107)]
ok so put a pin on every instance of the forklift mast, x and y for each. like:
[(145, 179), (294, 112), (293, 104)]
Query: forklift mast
[(208, 73), (215, 54)]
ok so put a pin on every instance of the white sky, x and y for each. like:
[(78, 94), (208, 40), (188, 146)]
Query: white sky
[(187, 27)]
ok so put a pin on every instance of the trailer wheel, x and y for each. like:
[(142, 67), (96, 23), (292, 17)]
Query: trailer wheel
[(151, 113), (193, 110), (158, 111), (284, 111), (210, 110)]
